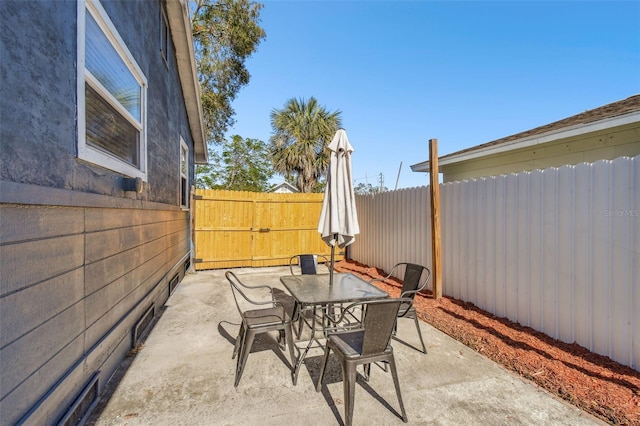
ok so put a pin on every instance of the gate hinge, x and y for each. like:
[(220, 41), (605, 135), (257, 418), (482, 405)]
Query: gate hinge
[(197, 197), (198, 260)]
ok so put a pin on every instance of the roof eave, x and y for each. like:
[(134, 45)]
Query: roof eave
[(529, 141), (180, 25)]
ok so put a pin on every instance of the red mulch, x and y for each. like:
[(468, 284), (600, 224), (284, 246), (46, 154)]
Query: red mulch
[(594, 383)]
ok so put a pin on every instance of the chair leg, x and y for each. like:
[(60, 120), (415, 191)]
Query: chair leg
[(241, 345), (367, 369), (296, 316), (424, 349), (237, 346), (324, 365), (288, 331), (244, 354), (396, 382), (349, 385), (300, 324)]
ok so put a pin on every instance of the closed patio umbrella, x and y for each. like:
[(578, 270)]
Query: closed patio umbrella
[(338, 222)]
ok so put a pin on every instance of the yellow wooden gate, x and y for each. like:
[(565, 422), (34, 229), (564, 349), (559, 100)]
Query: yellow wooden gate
[(238, 229)]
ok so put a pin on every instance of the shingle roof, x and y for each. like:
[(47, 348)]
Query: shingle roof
[(626, 106)]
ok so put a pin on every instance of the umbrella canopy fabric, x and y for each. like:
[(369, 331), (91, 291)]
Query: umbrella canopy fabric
[(338, 222)]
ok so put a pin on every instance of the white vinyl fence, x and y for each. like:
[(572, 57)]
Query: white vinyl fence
[(557, 249)]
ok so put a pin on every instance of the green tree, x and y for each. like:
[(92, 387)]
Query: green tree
[(242, 165), (368, 189), (208, 176), (226, 33), (301, 132)]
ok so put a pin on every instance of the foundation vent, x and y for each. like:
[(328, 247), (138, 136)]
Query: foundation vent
[(81, 408), (173, 283), (142, 324)]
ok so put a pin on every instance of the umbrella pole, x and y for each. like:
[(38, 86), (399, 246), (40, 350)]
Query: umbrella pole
[(333, 258)]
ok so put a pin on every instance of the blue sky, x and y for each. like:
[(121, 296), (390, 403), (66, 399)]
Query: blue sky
[(466, 73)]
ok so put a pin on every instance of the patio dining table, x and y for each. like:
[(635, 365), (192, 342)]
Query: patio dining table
[(314, 291)]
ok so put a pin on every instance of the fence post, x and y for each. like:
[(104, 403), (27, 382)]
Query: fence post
[(436, 266)]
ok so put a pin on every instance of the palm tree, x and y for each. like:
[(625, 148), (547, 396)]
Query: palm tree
[(301, 132)]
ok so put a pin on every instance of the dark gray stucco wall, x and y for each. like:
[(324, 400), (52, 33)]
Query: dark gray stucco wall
[(37, 92), (38, 132)]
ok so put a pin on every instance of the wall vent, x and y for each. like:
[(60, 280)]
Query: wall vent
[(187, 266), (142, 324), (79, 411), (173, 283)]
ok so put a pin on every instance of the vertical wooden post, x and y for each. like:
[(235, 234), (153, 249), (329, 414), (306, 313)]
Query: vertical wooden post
[(436, 252)]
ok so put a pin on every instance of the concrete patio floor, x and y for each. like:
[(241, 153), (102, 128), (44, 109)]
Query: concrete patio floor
[(184, 374)]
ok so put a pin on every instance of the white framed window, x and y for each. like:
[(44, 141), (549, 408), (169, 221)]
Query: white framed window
[(184, 174), (164, 36), (112, 96)]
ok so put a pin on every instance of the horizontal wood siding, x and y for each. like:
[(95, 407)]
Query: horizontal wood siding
[(30, 262), (235, 229), (74, 282)]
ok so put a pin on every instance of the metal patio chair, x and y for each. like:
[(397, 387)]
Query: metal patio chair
[(412, 283), (255, 321), (366, 345), (308, 265)]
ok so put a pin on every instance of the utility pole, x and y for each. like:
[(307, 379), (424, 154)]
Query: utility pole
[(398, 178), (381, 180)]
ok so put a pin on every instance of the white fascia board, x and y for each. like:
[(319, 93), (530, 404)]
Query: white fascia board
[(182, 36), (421, 167), (554, 135)]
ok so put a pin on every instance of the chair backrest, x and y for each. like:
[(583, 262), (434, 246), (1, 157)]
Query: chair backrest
[(411, 281), (238, 289), (379, 320), (308, 263)]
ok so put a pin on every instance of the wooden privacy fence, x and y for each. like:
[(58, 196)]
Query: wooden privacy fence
[(239, 229)]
